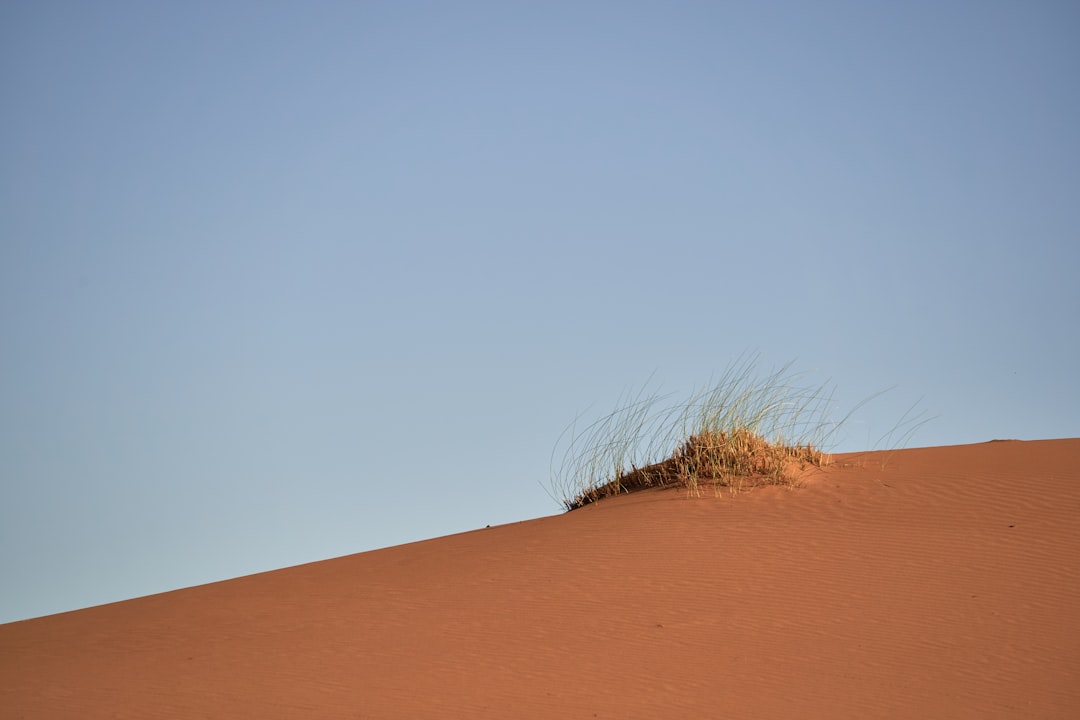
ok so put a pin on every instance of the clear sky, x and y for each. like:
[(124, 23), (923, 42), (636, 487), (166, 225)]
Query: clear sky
[(286, 281)]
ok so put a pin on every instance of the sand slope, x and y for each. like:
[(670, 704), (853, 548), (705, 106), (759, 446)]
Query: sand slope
[(945, 584)]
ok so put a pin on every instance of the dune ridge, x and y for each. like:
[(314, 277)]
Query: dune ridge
[(930, 582)]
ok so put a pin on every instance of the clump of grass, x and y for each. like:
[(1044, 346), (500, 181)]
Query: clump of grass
[(744, 430)]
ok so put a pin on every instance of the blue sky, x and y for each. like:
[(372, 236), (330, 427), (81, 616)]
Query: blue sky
[(286, 281)]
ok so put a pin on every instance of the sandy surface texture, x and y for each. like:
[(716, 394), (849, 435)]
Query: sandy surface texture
[(930, 583)]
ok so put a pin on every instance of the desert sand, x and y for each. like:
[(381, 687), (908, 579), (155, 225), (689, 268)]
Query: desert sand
[(923, 583)]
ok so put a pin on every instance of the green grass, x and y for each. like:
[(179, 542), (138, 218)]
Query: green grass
[(744, 430)]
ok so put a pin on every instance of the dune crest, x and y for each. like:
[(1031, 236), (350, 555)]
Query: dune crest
[(931, 582)]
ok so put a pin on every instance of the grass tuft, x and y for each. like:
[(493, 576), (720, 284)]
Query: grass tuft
[(744, 430)]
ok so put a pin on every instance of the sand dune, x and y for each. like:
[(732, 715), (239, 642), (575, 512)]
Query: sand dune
[(930, 583)]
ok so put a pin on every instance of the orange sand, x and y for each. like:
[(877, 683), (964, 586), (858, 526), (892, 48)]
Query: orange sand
[(945, 584)]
